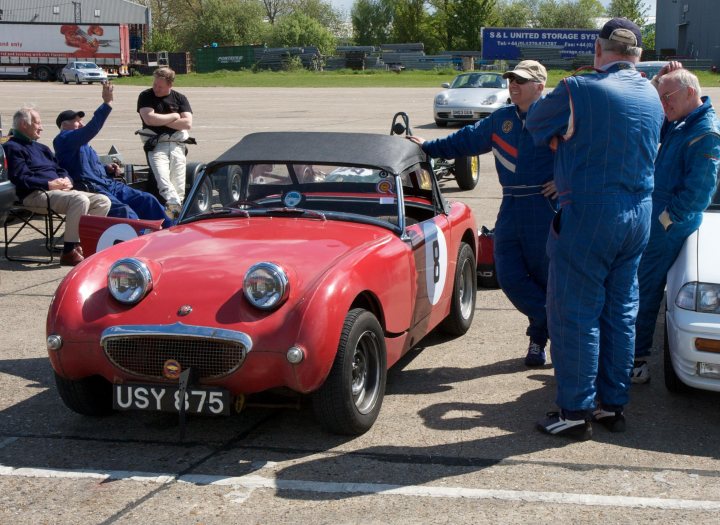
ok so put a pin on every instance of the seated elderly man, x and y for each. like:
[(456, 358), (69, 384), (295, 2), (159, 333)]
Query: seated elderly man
[(75, 154), (35, 172)]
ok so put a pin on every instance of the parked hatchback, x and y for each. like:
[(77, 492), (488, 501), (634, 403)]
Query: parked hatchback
[(83, 72)]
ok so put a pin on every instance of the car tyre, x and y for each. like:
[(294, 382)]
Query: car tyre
[(441, 123), (350, 399), (202, 199), (91, 396), (229, 184), (672, 381), (64, 80), (77, 80), (467, 172), (462, 305)]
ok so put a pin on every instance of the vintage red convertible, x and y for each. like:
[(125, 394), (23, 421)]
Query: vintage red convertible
[(321, 260)]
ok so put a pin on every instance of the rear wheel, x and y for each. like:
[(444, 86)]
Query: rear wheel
[(467, 172), (462, 307), (672, 381), (91, 396), (350, 399), (202, 199), (229, 184)]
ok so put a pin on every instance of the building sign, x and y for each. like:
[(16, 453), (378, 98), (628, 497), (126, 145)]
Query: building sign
[(501, 43)]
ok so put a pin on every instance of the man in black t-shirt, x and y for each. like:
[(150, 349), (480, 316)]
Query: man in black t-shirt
[(167, 116)]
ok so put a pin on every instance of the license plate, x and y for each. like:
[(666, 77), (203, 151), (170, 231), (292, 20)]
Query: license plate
[(166, 398), (463, 113)]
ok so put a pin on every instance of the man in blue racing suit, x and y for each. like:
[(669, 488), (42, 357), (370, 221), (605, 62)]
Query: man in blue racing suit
[(686, 171), (606, 127), (75, 155), (528, 205)]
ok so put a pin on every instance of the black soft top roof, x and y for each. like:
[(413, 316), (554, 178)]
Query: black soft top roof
[(391, 153)]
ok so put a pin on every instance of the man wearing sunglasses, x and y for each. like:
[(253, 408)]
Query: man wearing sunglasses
[(686, 171), (606, 127), (529, 199)]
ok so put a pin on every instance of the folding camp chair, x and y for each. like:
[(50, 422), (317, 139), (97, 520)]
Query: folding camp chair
[(23, 218)]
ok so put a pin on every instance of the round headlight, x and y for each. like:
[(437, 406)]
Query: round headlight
[(129, 280), (266, 285), (490, 100), (441, 100)]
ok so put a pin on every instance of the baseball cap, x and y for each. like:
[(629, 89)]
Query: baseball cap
[(530, 70), (622, 30), (68, 114)]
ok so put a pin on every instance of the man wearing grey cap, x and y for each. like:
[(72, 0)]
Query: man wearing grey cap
[(528, 205), (606, 127), (76, 155)]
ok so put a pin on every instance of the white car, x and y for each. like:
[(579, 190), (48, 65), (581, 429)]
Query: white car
[(83, 72), (692, 317), (470, 97)]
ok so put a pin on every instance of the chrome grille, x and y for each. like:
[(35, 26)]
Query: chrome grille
[(143, 350)]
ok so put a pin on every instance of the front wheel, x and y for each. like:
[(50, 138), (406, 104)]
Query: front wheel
[(77, 80), (672, 381), (441, 123), (91, 396), (462, 306), (467, 172), (350, 399)]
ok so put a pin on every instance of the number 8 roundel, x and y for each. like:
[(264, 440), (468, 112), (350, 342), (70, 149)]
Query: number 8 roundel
[(436, 261)]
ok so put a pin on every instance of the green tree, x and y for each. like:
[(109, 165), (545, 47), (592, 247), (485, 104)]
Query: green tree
[(320, 10), (227, 23), (465, 20), (299, 30), (409, 21), (162, 41), (568, 13), (635, 10), (372, 21), (515, 13)]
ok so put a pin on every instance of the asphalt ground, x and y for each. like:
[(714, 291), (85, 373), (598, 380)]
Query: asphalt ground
[(455, 441)]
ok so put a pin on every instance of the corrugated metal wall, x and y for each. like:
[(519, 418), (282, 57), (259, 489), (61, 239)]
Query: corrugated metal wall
[(63, 11), (690, 27)]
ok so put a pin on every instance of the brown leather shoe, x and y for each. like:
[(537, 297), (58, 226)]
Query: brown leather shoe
[(71, 258)]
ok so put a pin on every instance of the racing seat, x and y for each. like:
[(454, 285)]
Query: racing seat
[(24, 218)]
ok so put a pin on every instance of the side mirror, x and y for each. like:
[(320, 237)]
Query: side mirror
[(445, 85)]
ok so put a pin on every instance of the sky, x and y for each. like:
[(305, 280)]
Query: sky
[(346, 5)]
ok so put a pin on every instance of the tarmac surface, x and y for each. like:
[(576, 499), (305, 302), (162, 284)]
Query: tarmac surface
[(455, 440)]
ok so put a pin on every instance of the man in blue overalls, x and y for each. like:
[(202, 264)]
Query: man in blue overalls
[(528, 205), (686, 171), (75, 155), (606, 127)]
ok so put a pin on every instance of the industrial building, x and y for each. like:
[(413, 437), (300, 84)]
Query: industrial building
[(688, 29), (100, 12)]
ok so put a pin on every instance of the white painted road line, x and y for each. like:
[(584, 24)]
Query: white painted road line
[(251, 482)]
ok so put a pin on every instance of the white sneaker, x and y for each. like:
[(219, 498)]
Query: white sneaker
[(640, 373)]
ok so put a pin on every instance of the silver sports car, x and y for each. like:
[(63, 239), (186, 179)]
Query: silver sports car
[(470, 97)]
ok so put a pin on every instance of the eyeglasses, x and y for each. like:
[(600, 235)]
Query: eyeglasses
[(666, 97), (519, 80)]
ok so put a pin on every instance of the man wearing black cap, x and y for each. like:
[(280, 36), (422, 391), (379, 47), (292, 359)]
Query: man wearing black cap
[(606, 128), (75, 155), (37, 177), (529, 201)]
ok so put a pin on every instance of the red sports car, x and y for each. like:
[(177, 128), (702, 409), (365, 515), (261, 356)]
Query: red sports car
[(322, 259)]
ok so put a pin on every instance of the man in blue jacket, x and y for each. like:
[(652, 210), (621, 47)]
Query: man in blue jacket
[(75, 155), (606, 127), (38, 177), (528, 205), (686, 171)]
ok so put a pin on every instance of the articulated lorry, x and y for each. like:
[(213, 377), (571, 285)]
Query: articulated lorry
[(40, 51)]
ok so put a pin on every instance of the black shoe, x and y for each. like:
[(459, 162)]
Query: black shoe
[(555, 424), (614, 421)]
